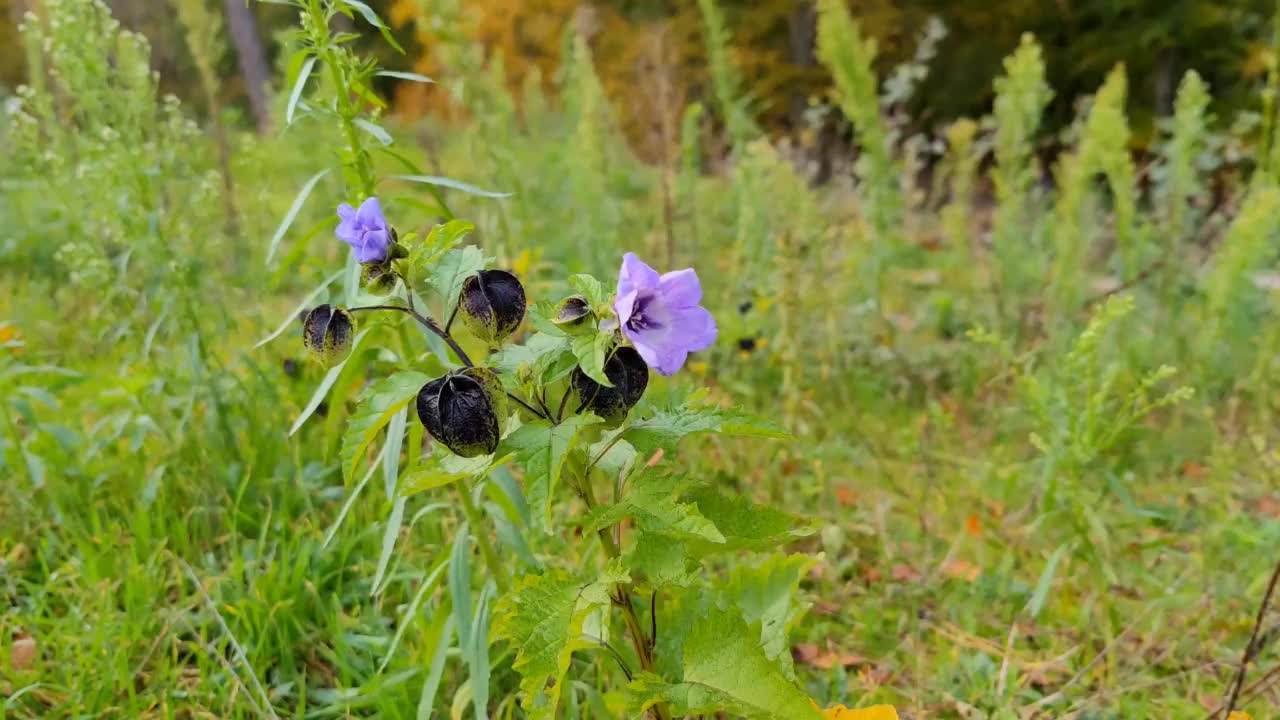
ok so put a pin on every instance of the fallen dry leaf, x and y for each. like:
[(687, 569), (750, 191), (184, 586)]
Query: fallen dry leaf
[(813, 656), (1193, 469), (1267, 505), (905, 573), (846, 496), (961, 570), (23, 652)]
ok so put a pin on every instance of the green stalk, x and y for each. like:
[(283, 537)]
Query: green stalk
[(640, 640)]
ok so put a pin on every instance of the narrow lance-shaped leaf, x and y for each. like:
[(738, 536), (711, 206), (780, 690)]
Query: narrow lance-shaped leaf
[(293, 213), (326, 384), (450, 183), (298, 85)]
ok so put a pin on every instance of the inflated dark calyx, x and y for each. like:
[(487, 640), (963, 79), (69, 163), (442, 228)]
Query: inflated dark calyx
[(630, 376), (327, 332), (463, 410), (492, 304)]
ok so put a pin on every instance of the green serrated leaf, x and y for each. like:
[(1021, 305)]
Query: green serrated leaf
[(652, 503), (665, 428), (441, 239), (454, 267), (591, 349), (444, 468), (592, 289), (724, 670), (658, 561), (765, 593), (744, 524), (542, 449), (543, 619), (377, 405)]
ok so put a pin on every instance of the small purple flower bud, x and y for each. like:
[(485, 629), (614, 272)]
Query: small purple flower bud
[(462, 411), (629, 375), (492, 304), (327, 333)]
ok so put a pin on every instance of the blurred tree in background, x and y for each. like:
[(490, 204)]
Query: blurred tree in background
[(650, 54)]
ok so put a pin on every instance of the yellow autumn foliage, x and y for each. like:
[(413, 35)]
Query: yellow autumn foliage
[(875, 712)]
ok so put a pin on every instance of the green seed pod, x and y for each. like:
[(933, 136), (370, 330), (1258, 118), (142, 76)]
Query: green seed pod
[(327, 331), (459, 411), (378, 277), (630, 376), (572, 311), (492, 304)]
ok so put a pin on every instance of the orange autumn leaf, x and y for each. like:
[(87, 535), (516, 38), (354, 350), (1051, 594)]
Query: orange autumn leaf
[(961, 570), (973, 525), (23, 652), (905, 573), (846, 496)]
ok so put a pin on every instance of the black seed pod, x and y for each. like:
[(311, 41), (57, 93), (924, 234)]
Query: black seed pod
[(492, 304), (630, 376), (461, 410), (326, 332), (571, 311)]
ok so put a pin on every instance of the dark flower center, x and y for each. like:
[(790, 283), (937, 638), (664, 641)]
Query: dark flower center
[(639, 319)]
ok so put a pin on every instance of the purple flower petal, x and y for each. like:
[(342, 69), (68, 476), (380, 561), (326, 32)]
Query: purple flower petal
[(625, 305), (681, 288), (693, 328), (661, 316), (370, 214), (365, 230), (635, 275)]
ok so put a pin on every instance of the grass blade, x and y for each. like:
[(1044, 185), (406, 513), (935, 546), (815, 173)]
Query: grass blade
[(293, 213)]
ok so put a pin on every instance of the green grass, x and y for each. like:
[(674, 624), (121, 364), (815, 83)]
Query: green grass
[(996, 540)]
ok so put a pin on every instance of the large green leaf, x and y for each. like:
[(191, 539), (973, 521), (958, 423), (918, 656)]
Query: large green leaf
[(593, 290), (592, 350), (746, 525), (442, 238), (543, 619), (444, 468), (542, 449), (378, 404), (652, 501), (665, 428), (724, 670), (452, 270), (765, 593), (657, 561)]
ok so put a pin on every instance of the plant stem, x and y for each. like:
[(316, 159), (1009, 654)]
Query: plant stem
[(1251, 649), (482, 537), (640, 641), (427, 323)]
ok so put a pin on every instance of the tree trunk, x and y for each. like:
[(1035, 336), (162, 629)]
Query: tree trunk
[(253, 60)]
